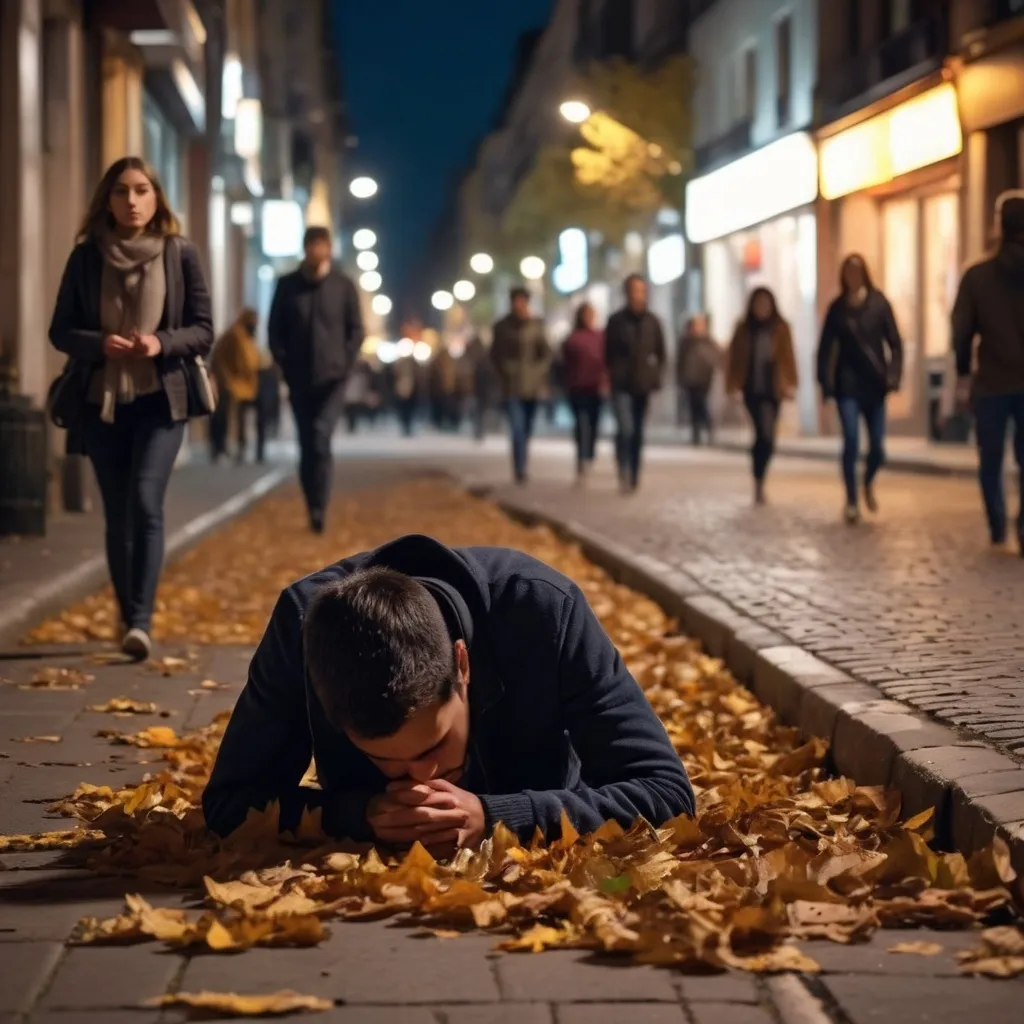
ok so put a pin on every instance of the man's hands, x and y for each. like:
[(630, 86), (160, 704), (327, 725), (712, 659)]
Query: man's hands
[(436, 813), (116, 347)]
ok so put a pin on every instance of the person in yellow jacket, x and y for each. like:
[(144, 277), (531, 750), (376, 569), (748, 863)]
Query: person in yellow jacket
[(236, 363)]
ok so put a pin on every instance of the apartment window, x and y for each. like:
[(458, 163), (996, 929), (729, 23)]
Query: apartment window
[(748, 91), (784, 68)]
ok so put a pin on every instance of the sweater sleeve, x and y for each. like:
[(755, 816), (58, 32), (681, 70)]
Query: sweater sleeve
[(965, 325), (629, 767), (195, 336), (267, 746)]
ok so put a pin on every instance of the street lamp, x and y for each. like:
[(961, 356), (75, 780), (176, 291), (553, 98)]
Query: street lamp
[(442, 300), (464, 290), (364, 238), (367, 260), (363, 188), (575, 111), (370, 281), (381, 305), (532, 268), (481, 263)]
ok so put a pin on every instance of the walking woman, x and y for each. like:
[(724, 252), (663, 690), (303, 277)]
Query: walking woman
[(586, 381), (699, 359), (133, 313), (762, 368), (860, 361)]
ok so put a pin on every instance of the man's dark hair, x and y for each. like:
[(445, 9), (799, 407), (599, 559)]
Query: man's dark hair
[(377, 651), (519, 292), (629, 281), (1011, 218), (317, 233)]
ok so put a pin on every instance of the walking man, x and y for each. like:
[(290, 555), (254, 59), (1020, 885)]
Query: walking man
[(406, 675), (522, 358), (990, 306), (635, 353), (315, 332)]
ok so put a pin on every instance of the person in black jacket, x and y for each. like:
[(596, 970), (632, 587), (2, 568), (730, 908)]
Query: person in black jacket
[(860, 361), (132, 314), (315, 332), (404, 674), (990, 306), (635, 354)]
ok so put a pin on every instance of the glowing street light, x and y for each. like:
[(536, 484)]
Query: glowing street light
[(381, 305), (442, 300), (364, 238), (481, 263), (575, 111), (370, 281), (363, 188), (367, 260), (464, 290), (405, 348), (422, 352), (532, 268)]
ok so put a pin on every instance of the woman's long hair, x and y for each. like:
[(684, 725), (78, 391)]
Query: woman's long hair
[(98, 217), (855, 260), (762, 290), (579, 324)]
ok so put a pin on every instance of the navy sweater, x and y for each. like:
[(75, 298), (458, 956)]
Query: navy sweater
[(556, 720)]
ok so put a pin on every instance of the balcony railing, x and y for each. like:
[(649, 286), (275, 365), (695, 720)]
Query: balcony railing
[(885, 68), (735, 142)]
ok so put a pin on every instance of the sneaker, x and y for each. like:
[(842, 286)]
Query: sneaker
[(759, 496), (869, 498), (316, 522), (137, 644), (852, 515)]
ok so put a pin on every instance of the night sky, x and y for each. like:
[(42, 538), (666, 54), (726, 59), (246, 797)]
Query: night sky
[(423, 79)]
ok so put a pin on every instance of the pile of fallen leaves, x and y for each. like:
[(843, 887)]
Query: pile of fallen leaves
[(778, 850)]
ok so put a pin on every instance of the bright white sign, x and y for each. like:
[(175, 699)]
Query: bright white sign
[(283, 227), (666, 259), (780, 177), (571, 273)]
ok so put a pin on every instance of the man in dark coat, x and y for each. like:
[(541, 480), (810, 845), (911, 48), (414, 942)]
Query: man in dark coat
[(635, 352), (990, 306), (315, 333), (404, 674)]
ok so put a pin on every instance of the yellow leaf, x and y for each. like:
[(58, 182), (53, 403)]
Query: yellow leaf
[(917, 948), (230, 1004)]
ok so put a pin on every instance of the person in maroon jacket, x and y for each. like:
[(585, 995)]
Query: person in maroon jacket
[(586, 380)]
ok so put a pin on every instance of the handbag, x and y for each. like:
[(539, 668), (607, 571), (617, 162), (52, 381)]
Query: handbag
[(65, 400), (201, 388)]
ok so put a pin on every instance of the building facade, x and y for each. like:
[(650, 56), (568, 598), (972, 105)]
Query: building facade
[(750, 204)]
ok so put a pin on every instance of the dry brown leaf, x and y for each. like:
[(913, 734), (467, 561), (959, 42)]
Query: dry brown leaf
[(38, 739), (230, 1004), (917, 948), (125, 705), (58, 679)]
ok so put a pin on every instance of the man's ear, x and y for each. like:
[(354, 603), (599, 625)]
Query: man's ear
[(462, 661)]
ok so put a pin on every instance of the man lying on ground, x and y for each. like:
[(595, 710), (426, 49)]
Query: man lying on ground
[(440, 691)]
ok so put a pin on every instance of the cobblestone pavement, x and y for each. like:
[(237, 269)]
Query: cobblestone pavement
[(913, 601), (377, 972)]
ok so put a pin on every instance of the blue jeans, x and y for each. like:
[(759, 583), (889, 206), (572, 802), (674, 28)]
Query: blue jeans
[(133, 458), (521, 413), (586, 408), (992, 416), (630, 416), (764, 415), (850, 412)]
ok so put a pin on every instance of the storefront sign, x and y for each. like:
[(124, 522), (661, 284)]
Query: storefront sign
[(571, 273), (780, 177), (666, 259), (917, 133)]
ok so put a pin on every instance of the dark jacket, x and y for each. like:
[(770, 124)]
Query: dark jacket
[(990, 305), (634, 346), (860, 354), (556, 722), (699, 357), (583, 362), (315, 329), (186, 329), (522, 357), (784, 371)]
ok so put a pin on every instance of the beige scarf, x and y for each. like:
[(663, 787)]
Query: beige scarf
[(133, 291)]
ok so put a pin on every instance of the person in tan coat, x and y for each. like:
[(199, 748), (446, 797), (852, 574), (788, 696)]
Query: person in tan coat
[(236, 364), (762, 368)]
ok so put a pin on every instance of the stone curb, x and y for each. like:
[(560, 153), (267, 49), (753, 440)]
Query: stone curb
[(976, 790), (90, 574)]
